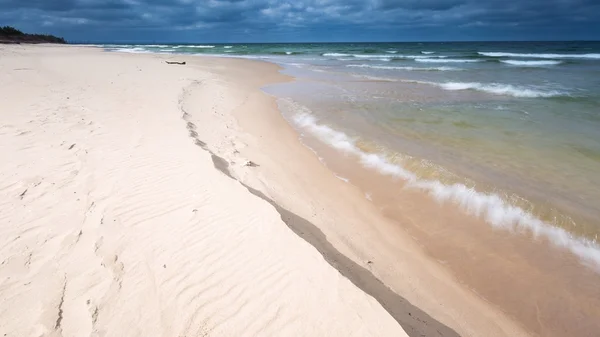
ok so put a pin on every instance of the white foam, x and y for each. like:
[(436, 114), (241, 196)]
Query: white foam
[(154, 45), (135, 50), (335, 54), (167, 50), (402, 68), (346, 180), (375, 78), (392, 51), (300, 65), (499, 89), (194, 46), (375, 56), (443, 60), (383, 59), (228, 47), (489, 207), (541, 56), (531, 63), (288, 53), (427, 52)]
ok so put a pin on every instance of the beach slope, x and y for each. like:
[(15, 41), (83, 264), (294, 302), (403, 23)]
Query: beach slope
[(116, 219)]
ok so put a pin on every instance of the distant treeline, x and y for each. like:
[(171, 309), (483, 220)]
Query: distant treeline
[(12, 35)]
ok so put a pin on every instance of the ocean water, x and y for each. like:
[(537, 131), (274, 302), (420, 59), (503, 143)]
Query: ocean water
[(507, 132)]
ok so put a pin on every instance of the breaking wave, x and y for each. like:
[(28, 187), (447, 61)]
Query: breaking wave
[(499, 89), (402, 68), (194, 46), (490, 207), (442, 60), (531, 63), (336, 54), (541, 56)]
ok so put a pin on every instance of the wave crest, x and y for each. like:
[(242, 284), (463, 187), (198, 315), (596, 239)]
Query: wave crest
[(402, 68), (541, 56), (499, 89), (336, 55), (531, 63), (442, 60)]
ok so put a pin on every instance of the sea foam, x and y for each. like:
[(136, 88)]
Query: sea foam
[(194, 46), (499, 89), (402, 68), (541, 56), (136, 50), (335, 54), (531, 63), (443, 60), (395, 56), (490, 207)]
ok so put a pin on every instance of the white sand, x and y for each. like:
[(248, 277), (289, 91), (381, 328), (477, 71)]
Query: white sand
[(113, 222)]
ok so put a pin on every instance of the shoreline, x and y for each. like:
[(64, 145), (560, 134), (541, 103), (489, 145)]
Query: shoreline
[(226, 114), (350, 229), (518, 270)]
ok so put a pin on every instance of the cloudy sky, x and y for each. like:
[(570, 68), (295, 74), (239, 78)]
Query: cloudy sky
[(305, 20)]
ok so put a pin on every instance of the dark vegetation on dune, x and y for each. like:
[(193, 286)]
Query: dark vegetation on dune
[(12, 35)]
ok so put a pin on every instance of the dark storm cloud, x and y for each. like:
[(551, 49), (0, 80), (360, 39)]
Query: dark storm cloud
[(434, 5), (305, 19)]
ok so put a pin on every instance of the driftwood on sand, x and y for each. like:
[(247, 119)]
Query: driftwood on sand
[(175, 62)]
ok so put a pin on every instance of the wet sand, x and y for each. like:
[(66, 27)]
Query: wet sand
[(549, 291)]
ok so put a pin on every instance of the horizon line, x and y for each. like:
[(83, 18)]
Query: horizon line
[(316, 42)]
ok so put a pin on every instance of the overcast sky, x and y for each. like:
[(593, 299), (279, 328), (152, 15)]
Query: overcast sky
[(305, 20)]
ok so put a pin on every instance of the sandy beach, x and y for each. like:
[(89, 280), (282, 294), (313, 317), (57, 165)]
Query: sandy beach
[(139, 198)]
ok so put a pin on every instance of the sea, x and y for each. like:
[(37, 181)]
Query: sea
[(503, 137)]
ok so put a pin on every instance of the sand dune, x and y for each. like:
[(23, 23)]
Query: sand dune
[(117, 220)]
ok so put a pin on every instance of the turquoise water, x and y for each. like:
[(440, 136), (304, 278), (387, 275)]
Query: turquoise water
[(508, 132)]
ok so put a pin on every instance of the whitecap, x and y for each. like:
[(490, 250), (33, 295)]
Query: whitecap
[(374, 56), (194, 46), (335, 54), (136, 50), (540, 56), (402, 68), (427, 52), (531, 63), (499, 89), (443, 60)]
